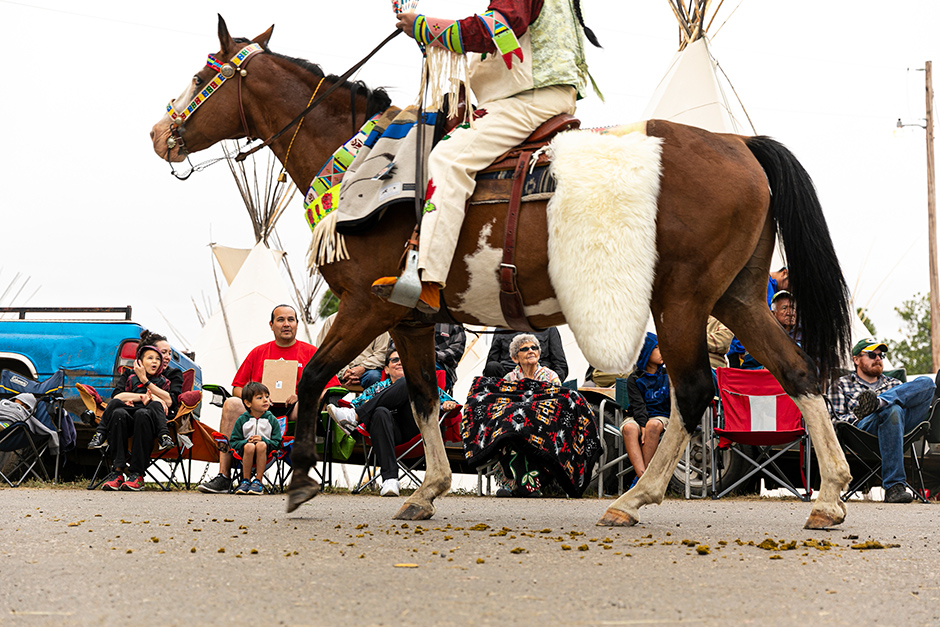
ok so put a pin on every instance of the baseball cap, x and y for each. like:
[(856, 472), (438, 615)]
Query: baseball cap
[(869, 344)]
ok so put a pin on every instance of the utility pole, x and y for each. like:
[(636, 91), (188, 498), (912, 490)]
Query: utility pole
[(932, 225)]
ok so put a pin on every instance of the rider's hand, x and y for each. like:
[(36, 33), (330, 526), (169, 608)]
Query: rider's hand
[(406, 23)]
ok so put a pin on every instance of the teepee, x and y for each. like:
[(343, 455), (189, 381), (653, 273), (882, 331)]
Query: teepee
[(694, 89), (256, 280)]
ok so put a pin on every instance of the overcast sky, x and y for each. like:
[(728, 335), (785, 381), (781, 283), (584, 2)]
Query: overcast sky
[(94, 219)]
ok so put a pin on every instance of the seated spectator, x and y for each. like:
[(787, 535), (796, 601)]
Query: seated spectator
[(450, 342), (783, 308), (255, 434), (778, 281), (285, 346), (366, 369), (650, 406), (499, 360), (525, 350), (883, 406), (535, 428), (137, 408), (385, 411), (718, 337), (166, 385)]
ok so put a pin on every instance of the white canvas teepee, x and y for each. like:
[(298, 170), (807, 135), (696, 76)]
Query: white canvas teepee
[(241, 321), (693, 91)]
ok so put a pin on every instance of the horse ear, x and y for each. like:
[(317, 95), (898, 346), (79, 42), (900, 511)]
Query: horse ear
[(264, 37), (225, 40)]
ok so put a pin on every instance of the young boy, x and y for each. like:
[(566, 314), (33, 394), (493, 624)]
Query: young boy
[(648, 391), (256, 432), (136, 390)]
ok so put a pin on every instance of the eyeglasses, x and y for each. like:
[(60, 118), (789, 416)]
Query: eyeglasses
[(394, 360), (526, 349), (873, 355)]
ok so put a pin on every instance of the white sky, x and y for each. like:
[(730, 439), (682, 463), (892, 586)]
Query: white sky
[(93, 217)]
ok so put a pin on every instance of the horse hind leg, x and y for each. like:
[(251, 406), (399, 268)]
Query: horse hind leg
[(770, 345), (417, 354)]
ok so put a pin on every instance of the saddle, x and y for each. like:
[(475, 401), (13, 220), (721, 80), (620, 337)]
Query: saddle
[(493, 189)]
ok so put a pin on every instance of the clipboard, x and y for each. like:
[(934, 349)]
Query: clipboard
[(280, 377)]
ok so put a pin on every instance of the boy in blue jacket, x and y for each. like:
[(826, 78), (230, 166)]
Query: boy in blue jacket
[(650, 404), (255, 433)]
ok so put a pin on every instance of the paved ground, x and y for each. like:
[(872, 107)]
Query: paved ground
[(184, 558)]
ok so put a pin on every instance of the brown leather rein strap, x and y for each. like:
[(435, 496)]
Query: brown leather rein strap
[(339, 82), (510, 300)]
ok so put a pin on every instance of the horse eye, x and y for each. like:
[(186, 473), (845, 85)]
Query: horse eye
[(197, 81)]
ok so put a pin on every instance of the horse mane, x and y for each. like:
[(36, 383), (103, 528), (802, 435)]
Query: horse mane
[(377, 100)]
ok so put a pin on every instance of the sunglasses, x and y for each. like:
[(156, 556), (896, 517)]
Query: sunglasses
[(394, 360), (526, 349), (873, 355)]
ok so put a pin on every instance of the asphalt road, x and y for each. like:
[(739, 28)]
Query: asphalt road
[(71, 557)]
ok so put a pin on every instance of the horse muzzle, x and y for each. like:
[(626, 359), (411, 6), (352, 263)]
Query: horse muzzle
[(168, 144)]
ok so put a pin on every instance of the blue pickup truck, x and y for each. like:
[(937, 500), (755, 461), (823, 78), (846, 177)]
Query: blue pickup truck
[(92, 345)]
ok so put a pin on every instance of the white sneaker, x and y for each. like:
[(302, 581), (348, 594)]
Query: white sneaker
[(345, 417), (390, 487)]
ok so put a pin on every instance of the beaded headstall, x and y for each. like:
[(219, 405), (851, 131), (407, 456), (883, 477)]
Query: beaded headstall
[(224, 71)]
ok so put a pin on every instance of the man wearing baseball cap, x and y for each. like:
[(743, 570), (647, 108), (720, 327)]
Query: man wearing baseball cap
[(884, 407)]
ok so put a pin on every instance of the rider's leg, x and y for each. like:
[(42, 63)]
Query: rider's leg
[(498, 126)]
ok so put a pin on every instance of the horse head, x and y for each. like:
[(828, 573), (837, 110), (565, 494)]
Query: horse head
[(179, 132)]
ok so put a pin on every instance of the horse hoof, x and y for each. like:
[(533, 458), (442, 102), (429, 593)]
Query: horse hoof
[(299, 494), (616, 518), (821, 520), (411, 511)]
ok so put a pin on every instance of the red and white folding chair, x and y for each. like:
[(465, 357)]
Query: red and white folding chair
[(757, 413)]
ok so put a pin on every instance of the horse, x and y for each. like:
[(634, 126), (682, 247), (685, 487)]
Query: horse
[(722, 201)]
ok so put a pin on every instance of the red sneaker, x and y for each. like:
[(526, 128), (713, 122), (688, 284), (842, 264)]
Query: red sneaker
[(114, 481), (134, 482)]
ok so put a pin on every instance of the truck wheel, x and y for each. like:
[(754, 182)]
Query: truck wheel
[(730, 468)]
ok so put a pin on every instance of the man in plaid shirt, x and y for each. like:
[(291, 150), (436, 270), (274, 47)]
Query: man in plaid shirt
[(884, 407)]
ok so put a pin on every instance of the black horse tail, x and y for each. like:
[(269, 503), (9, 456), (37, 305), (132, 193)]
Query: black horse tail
[(815, 278), (591, 37)]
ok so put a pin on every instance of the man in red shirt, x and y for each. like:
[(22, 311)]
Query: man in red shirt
[(285, 346)]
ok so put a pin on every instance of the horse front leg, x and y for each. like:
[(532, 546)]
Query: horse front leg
[(355, 326), (417, 354)]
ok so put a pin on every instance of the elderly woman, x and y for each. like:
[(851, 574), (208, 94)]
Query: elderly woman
[(525, 352), (535, 428)]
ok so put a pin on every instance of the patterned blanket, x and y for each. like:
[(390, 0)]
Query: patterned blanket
[(548, 423)]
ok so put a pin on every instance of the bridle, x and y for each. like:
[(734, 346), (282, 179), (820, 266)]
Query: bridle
[(224, 71)]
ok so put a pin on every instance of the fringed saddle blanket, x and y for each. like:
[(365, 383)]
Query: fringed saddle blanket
[(548, 423)]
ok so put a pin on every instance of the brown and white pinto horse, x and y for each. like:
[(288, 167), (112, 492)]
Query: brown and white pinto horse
[(723, 199)]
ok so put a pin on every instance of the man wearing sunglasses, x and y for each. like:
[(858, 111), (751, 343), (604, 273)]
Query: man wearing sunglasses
[(882, 406)]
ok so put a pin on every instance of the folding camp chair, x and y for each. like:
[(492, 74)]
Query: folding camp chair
[(193, 439), (755, 411), (862, 446), (278, 459), (42, 431)]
